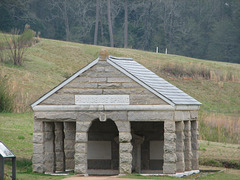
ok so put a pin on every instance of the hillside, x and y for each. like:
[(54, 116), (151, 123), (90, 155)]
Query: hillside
[(215, 84)]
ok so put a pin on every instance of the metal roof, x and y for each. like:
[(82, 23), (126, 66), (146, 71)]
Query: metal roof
[(151, 81)]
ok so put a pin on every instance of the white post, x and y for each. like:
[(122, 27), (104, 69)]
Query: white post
[(156, 49), (166, 51)]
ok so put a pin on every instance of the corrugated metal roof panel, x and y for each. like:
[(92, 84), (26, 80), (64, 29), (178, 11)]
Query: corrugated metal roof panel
[(153, 81)]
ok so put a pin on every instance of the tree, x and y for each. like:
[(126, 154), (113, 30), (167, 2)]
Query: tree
[(126, 24), (96, 23), (110, 22)]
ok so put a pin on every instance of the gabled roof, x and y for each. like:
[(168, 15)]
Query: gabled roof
[(141, 75)]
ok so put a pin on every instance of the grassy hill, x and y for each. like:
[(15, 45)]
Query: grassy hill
[(215, 84), (49, 62)]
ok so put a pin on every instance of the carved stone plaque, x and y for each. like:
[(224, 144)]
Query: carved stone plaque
[(101, 99)]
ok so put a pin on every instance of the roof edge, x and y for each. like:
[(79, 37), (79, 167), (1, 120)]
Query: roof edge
[(45, 96)]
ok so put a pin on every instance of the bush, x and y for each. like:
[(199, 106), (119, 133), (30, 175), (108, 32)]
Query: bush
[(6, 101)]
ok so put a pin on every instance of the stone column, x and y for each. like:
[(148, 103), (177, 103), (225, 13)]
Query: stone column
[(169, 156), (69, 143), (125, 152), (49, 155), (188, 146), (81, 140), (180, 165), (195, 144), (38, 146), (59, 147)]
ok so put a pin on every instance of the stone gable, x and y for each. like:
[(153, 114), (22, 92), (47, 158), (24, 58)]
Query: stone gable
[(103, 79)]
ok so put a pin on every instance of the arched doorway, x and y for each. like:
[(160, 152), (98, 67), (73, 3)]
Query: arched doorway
[(103, 148)]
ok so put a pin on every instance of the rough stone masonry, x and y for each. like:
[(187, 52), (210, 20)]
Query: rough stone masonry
[(114, 116)]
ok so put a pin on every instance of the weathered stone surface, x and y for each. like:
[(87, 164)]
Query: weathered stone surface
[(195, 165), (123, 126), (150, 116), (37, 159), (109, 85), (180, 146), (125, 168), (170, 137), (124, 137), (70, 135), (188, 165), (80, 168), (69, 154), (69, 163), (82, 91), (182, 115), (81, 137), (125, 158), (180, 166), (187, 126), (119, 80), (179, 126), (169, 147), (169, 168), (37, 125), (48, 136), (38, 168), (117, 116), (58, 99), (68, 144), (59, 166), (180, 156), (82, 116), (49, 157), (194, 114), (80, 148), (70, 125), (80, 158), (169, 127), (38, 138), (131, 85), (83, 126), (59, 156), (170, 157), (125, 147), (56, 115), (38, 148)]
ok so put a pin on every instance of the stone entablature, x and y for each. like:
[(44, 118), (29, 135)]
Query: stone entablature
[(65, 121)]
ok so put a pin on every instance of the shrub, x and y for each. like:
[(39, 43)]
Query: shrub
[(6, 101)]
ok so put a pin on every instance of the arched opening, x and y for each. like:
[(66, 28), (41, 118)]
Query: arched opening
[(103, 148)]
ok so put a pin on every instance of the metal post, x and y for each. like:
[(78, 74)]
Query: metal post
[(14, 168), (1, 168)]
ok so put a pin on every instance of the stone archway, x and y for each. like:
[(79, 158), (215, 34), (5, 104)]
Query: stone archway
[(103, 148)]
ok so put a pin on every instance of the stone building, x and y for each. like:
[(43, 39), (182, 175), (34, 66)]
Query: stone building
[(114, 116)]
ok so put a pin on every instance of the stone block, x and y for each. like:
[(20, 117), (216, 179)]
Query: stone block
[(125, 147), (169, 168), (169, 127), (180, 156), (194, 145), (117, 116), (48, 136), (71, 126), (69, 144), (194, 114), (59, 156), (37, 126), (123, 126), (86, 117), (48, 146), (69, 154), (125, 168), (38, 148), (169, 147), (59, 146), (187, 126), (80, 158), (69, 164), (49, 157), (150, 116), (179, 126), (82, 91), (81, 148), (59, 99), (37, 159), (182, 115), (48, 127), (170, 137), (170, 157), (49, 167), (179, 146), (38, 138), (38, 168), (56, 115), (81, 137), (195, 154), (125, 137), (110, 68), (109, 85), (188, 165), (59, 166), (70, 135), (195, 165), (83, 126), (125, 158), (119, 79), (180, 166), (131, 85), (80, 168)]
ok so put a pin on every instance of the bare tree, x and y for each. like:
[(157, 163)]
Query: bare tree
[(110, 23), (126, 24), (96, 23)]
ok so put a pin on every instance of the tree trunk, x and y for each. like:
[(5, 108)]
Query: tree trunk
[(65, 16), (126, 24), (96, 24), (110, 22)]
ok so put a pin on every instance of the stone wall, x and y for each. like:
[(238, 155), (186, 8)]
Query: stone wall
[(103, 79)]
